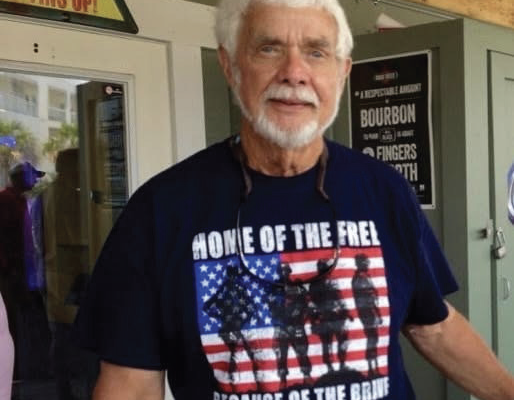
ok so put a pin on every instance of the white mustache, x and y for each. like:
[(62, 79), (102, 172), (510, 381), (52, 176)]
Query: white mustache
[(284, 92)]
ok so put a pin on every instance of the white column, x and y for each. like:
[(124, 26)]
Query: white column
[(187, 100)]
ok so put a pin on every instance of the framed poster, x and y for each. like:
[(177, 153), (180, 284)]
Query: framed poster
[(391, 117)]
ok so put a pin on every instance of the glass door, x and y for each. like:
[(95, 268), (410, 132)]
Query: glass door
[(104, 157), (63, 183), (71, 133)]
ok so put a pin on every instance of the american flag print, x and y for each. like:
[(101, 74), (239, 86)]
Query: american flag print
[(259, 336)]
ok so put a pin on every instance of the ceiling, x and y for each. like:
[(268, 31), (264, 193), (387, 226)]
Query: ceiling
[(499, 12)]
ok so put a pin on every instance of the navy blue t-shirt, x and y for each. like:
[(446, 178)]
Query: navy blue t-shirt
[(262, 308)]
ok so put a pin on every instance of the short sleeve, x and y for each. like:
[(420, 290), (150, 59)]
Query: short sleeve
[(119, 318), (433, 276)]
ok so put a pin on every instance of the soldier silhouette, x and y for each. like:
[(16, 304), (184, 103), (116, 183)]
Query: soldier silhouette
[(233, 306), (366, 302), (290, 316), (328, 317)]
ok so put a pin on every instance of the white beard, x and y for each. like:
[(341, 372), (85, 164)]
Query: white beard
[(285, 138)]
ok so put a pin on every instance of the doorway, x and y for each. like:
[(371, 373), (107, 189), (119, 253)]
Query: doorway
[(63, 183), (70, 111), (501, 69)]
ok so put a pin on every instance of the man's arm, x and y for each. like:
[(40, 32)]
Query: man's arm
[(123, 383), (454, 348)]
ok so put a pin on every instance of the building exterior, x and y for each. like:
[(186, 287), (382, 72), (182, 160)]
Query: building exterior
[(143, 101)]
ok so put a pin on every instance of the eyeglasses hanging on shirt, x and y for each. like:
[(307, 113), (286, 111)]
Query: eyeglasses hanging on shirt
[(328, 265)]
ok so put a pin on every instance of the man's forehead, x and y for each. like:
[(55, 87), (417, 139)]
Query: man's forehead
[(272, 22), (320, 41)]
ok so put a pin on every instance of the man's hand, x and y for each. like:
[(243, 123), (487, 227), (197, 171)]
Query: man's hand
[(123, 383), (454, 348)]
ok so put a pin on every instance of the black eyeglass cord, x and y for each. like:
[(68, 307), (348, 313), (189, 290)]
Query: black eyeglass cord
[(240, 156)]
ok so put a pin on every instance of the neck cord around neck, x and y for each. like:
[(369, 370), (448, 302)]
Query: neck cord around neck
[(240, 156)]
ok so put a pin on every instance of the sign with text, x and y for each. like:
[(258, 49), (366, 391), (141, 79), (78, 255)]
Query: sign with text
[(391, 117), (107, 14)]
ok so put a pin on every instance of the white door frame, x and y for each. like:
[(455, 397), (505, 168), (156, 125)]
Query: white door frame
[(140, 65)]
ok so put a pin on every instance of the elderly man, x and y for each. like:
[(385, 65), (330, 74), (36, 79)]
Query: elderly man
[(270, 204)]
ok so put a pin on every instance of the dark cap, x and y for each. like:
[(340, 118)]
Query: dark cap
[(25, 168)]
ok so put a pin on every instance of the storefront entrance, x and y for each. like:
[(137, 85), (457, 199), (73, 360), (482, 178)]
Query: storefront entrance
[(73, 147), (63, 183)]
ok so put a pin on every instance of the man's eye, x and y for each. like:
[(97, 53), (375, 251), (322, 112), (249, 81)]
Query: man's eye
[(317, 54), (268, 49)]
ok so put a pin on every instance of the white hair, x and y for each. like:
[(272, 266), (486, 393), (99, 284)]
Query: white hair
[(231, 12)]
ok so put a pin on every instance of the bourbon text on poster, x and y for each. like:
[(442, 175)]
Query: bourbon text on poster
[(387, 116)]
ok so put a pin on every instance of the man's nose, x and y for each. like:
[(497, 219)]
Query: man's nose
[(294, 69)]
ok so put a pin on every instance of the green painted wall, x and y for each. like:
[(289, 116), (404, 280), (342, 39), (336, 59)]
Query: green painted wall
[(216, 99)]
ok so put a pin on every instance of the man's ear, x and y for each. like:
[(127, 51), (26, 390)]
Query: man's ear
[(226, 65), (346, 68)]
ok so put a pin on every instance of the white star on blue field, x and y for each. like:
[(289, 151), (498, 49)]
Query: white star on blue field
[(242, 297)]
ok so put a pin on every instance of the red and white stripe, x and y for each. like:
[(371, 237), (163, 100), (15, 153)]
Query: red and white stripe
[(261, 340)]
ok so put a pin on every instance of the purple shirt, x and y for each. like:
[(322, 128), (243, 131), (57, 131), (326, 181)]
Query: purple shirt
[(6, 355)]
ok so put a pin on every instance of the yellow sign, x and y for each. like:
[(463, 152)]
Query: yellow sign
[(110, 14)]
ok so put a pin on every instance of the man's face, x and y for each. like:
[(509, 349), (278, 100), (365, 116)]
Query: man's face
[(287, 76)]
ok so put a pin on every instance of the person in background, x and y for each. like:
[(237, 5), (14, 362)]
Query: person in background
[(16, 240), (66, 262), (22, 278), (276, 193)]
